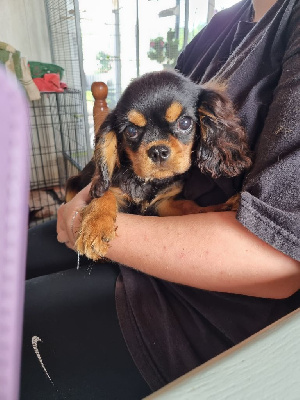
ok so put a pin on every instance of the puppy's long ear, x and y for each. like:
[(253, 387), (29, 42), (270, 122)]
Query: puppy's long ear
[(105, 156), (222, 149)]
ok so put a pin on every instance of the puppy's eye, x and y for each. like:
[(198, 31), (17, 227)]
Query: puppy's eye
[(132, 132), (184, 123)]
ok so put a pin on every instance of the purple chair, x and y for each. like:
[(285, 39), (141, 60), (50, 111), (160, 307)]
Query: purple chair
[(14, 189)]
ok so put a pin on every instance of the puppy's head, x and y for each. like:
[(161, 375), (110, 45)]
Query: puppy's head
[(157, 121), (162, 119)]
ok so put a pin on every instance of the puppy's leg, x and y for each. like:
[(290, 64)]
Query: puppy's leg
[(232, 204), (72, 187), (170, 206), (173, 207), (97, 226), (78, 182), (166, 204), (98, 223)]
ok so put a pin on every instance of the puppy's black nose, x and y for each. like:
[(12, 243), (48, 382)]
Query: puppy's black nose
[(159, 153)]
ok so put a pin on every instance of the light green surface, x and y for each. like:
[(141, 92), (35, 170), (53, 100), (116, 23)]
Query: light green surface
[(264, 367)]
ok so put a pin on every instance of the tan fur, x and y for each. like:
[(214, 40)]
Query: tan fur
[(120, 196), (107, 152), (168, 206), (171, 207), (178, 162), (173, 112), (137, 118), (69, 195)]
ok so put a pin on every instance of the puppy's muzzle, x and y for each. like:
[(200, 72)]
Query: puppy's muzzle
[(159, 154)]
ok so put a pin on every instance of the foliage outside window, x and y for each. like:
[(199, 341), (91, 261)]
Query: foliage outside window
[(104, 62), (164, 51)]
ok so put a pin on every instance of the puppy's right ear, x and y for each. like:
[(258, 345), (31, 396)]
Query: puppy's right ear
[(105, 156)]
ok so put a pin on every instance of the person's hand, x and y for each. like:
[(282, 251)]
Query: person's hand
[(69, 217)]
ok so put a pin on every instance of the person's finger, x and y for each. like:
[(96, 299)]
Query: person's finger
[(61, 238), (60, 225), (69, 217), (70, 245)]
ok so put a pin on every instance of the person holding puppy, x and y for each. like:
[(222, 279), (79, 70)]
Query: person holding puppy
[(180, 290)]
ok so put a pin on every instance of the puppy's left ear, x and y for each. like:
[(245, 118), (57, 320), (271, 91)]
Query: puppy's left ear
[(105, 157), (222, 149)]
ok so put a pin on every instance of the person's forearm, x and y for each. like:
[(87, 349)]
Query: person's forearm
[(210, 251)]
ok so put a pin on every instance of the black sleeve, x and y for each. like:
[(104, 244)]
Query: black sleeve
[(270, 201)]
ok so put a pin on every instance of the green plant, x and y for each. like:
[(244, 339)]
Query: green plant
[(164, 51), (104, 61), (157, 49)]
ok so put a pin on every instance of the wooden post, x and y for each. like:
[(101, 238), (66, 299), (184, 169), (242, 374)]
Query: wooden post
[(100, 111)]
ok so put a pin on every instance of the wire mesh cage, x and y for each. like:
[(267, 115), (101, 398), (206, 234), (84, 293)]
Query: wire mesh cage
[(65, 39), (58, 150), (60, 142)]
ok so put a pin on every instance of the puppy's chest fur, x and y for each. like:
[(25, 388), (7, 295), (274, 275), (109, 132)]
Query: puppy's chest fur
[(140, 194)]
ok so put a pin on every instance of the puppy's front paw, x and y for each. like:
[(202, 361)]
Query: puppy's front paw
[(97, 228)]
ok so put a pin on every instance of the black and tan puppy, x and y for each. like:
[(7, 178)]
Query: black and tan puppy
[(163, 124)]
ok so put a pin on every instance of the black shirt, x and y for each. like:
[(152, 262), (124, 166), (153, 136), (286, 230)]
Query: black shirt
[(170, 328)]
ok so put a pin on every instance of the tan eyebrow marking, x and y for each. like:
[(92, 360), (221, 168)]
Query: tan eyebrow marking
[(173, 112), (137, 118)]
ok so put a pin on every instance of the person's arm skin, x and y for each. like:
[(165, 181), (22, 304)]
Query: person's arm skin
[(210, 251)]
